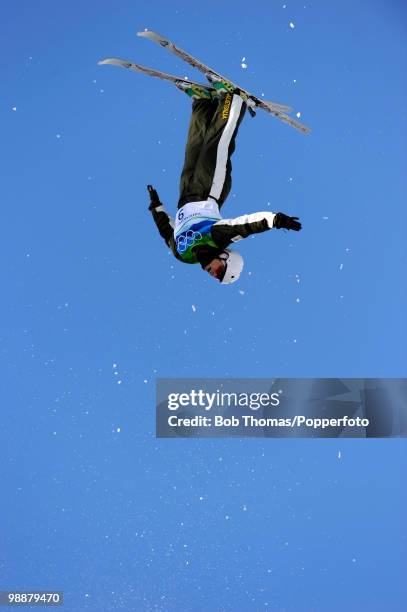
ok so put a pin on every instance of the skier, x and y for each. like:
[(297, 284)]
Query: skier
[(200, 234)]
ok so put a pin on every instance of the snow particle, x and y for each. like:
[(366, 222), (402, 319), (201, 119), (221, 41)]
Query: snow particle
[(118, 430), (341, 267), (241, 291), (297, 300), (298, 115), (292, 26), (339, 454), (14, 108), (193, 308), (119, 382), (58, 135)]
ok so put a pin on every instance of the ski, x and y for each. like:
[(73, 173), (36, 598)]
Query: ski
[(116, 61), (277, 110)]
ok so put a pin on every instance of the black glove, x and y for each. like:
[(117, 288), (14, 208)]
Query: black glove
[(154, 199), (282, 221)]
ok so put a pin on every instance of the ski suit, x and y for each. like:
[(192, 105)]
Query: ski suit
[(200, 233)]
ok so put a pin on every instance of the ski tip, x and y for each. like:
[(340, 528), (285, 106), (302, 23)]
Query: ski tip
[(152, 35), (115, 61)]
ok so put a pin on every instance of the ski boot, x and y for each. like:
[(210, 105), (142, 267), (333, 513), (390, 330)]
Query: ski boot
[(196, 92), (221, 86)]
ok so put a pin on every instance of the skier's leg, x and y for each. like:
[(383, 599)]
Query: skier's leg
[(202, 113), (213, 172)]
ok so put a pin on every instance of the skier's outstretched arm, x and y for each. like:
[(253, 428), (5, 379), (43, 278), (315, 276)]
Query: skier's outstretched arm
[(162, 220), (231, 230)]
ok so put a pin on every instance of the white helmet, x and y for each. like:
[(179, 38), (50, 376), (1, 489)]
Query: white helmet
[(234, 266)]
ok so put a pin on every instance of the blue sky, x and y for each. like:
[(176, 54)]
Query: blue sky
[(94, 307)]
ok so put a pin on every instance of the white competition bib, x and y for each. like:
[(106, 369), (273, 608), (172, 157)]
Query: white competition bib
[(194, 212)]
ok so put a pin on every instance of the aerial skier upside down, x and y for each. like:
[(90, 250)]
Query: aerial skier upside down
[(200, 234)]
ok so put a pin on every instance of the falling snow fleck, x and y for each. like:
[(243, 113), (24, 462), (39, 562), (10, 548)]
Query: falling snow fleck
[(292, 26), (193, 308), (118, 430), (298, 115), (58, 135), (14, 108), (339, 454), (341, 267)]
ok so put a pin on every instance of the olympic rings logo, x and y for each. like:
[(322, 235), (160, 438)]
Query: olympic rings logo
[(187, 240)]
